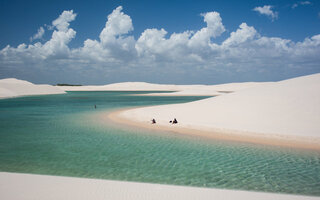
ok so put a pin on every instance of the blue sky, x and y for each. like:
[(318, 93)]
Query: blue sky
[(215, 41)]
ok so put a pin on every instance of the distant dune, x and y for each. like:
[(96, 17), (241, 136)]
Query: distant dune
[(12, 87), (180, 90)]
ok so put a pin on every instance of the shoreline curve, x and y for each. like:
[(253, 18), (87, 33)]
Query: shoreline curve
[(305, 143)]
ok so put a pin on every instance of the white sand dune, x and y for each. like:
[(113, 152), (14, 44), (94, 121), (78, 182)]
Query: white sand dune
[(126, 86), (12, 87), (287, 108), (26, 186), (181, 90), (208, 90)]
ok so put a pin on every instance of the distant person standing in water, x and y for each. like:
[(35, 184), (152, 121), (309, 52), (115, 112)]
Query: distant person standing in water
[(95, 106)]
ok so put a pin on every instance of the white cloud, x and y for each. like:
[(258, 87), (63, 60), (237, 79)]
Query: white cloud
[(155, 55), (305, 3), (267, 10), (38, 35), (301, 3), (62, 22), (152, 41), (214, 29), (243, 34), (56, 47), (114, 38), (117, 26), (181, 46)]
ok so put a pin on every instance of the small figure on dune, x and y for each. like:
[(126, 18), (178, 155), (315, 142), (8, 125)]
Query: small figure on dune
[(153, 121), (174, 121)]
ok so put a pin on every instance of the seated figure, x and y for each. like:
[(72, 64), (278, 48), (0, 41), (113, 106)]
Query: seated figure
[(174, 121)]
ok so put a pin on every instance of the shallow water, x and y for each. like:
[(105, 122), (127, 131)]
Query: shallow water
[(63, 135)]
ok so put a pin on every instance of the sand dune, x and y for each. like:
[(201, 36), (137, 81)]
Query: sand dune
[(180, 90), (209, 90), (26, 186), (126, 86), (12, 87), (289, 108)]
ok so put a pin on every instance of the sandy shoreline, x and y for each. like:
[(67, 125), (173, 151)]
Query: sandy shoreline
[(219, 134), (16, 186)]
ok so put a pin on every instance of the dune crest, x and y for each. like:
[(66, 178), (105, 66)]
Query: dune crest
[(12, 87)]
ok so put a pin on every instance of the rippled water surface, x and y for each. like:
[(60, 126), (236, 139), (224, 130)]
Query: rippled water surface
[(65, 135)]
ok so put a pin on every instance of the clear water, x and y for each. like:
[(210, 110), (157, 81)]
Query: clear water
[(64, 135)]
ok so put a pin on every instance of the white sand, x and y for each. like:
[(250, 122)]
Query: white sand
[(12, 87), (15, 186), (208, 90), (289, 108), (181, 90), (126, 86)]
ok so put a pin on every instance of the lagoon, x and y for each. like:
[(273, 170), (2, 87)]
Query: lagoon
[(64, 135)]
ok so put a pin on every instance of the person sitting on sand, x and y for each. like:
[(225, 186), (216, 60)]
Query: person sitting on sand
[(153, 121), (174, 121)]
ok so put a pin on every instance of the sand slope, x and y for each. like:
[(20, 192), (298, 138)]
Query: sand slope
[(12, 87), (26, 186), (289, 108)]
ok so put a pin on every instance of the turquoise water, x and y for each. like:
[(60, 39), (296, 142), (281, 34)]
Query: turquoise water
[(64, 135)]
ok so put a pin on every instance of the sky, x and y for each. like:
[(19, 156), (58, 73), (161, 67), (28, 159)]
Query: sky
[(176, 42)]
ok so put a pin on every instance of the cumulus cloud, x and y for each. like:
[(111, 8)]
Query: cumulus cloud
[(241, 35), (267, 10), (189, 56), (214, 29), (56, 47), (118, 24), (115, 36), (154, 44), (62, 22), (38, 35), (115, 45)]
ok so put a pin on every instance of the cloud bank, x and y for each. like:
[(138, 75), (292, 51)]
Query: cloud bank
[(192, 56)]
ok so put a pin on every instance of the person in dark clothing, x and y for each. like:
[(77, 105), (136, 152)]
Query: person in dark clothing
[(153, 121), (174, 121), (95, 106)]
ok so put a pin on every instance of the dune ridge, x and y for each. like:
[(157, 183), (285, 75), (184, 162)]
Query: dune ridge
[(12, 87)]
